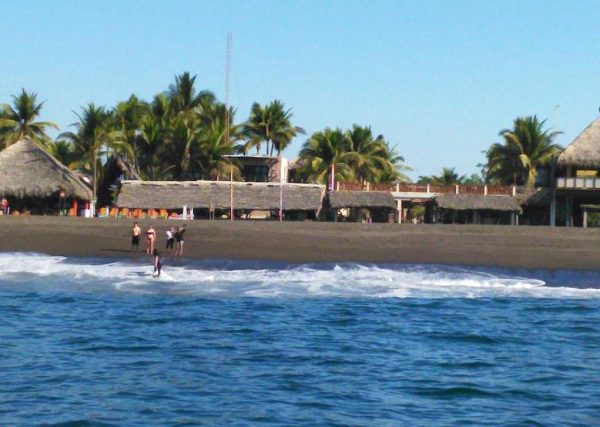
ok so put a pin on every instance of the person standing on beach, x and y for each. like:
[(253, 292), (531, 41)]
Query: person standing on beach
[(5, 208), (170, 239), (150, 238), (135, 237), (179, 239)]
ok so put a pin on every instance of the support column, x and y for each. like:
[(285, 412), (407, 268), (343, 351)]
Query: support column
[(585, 217), (400, 212), (553, 210)]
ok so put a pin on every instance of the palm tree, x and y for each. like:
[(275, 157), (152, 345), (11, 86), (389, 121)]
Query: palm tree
[(154, 140), (128, 116), (185, 98), (321, 151), (184, 137), (64, 152), (209, 155), (372, 160), (18, 121), (271, 124), (527, 147), (93, 138)]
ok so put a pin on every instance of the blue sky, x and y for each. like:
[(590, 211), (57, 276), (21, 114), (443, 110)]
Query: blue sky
[(439, 79)]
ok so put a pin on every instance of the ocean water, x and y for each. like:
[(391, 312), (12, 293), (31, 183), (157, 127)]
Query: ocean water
[(102, 342)]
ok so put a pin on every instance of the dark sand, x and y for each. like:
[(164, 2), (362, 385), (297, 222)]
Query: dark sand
[(499, 246)]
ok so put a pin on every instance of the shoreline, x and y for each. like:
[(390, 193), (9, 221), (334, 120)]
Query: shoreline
[(549, 248)]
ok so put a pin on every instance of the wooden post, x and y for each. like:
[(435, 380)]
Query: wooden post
[(400, 213), (231, 213), (457, 189), (397, 187), (280, 201), (485, 190), (428, 188), (585, 217)]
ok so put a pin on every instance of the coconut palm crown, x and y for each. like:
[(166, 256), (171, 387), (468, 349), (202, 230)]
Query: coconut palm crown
[(526, 147), (18, 120)]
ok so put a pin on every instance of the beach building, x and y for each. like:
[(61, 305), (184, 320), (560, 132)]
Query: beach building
[(213, 199), (475, 209), (356, 206), (577, 180), (261, 168), (35, 182)]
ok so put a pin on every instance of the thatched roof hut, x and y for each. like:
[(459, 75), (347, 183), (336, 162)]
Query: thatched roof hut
[(361, 199), (206, 194), (584, 151), (463, 202), (29, 171)]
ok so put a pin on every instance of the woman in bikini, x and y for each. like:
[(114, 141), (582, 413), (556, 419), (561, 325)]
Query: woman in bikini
[(150, 238)]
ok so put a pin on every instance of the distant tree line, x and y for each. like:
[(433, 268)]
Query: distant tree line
[(184, 133)]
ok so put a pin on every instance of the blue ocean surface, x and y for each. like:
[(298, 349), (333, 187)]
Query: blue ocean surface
[(87, 342)]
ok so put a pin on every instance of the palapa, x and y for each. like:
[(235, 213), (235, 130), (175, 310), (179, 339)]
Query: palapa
[(361, 199), (584, 151), (206, 194), (28, 171), (463, 202)]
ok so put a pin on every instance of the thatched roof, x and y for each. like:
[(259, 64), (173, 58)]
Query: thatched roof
[(361, 199), (535, 197), (27, 170), (203, 194), (584, 151), (463, 202)]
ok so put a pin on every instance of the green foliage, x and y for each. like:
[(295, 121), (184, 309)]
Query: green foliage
[(357, 157), (18, 120), (270, 124), (526, 147), (449, 176)]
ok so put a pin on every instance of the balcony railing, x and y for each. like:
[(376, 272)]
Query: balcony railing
[(428, 188), (578, 183)]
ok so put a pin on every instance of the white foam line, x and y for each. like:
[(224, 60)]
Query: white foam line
[(349, 280)]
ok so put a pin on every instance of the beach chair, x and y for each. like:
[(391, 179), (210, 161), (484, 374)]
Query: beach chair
[(163, 213), (124, 213), (114, 212)]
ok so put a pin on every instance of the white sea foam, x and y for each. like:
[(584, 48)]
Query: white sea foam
[(238, 279)]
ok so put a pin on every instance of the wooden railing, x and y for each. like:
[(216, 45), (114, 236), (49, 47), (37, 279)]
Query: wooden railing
[(428, 188)]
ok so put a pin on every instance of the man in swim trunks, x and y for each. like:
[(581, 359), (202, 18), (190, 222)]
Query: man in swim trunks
[(135, 237)]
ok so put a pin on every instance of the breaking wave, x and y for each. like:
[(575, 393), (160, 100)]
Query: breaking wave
[(218, 278)]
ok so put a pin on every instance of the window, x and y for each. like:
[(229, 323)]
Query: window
[(256, 173)]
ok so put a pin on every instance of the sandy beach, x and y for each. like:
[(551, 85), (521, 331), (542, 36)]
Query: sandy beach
[(499, 246)]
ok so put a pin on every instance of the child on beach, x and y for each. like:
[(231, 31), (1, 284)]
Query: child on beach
[(170, 238), (157, 263)]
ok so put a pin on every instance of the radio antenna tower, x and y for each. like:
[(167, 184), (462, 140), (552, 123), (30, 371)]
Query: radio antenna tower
[(227, 94)]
